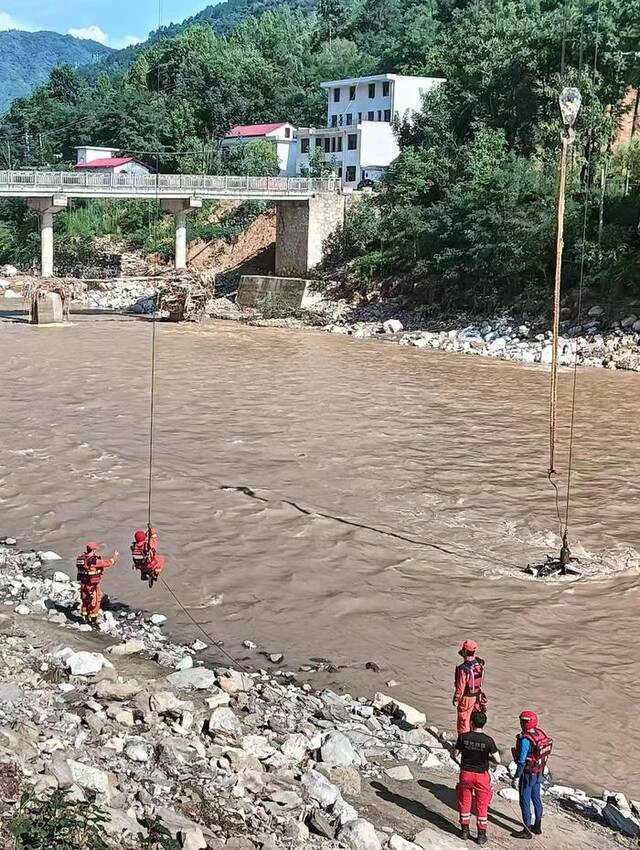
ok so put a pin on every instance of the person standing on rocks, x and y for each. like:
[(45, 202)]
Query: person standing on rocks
[(90, 567), (468, 695), (531, 753), (476, 751)]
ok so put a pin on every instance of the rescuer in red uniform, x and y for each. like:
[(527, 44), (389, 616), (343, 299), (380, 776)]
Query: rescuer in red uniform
[(90, 567), (474, 784), (468, 696), (145, 555)]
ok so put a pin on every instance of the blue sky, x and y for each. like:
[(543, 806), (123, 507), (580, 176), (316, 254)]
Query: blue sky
[(113, 22)]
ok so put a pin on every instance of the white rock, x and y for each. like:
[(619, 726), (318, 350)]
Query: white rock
[(596, 311), (411, 714), (233, 681), (11, 293), (319, 788), (421, 343), (398, 843), (66, 687), (509, 794), (295, 747), (249, 644), (198, 645), (139, 751), (344, 811), (392, 326), (224, 720), (23, 610), (158, 619), (546, 355), (196, 677), (185, 663), (258, 746), (192, 839), (636, 327), (217, 699), (431, 838), (9, 541), (88, 777), (129, 647), (400, 773), (86, 663), (49, 556), (359, 835), (8, 271), (60, 577), (337, 750)]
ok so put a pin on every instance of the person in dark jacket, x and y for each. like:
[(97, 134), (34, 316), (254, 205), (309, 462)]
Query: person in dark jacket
[(476, 750)]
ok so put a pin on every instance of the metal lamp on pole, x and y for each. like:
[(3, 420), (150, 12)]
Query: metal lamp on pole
[(570, 101)]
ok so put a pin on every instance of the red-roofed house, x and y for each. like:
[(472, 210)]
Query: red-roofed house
[(282, 134), (106, 161)]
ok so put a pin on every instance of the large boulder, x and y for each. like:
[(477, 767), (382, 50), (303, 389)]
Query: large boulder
[(411, 715), (337, 750), (118, 690), (224, 720), (196, 678), (86, 663), (319, 788), (359, 835)]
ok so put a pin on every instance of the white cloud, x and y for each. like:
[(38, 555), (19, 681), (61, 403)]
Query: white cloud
[(8, 22), (94, 33), (125, 41)]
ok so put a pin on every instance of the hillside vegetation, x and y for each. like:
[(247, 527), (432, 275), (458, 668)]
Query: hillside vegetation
[(468, 207), (26, 58)]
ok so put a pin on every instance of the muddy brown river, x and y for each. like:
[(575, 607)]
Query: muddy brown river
[(349, 500)]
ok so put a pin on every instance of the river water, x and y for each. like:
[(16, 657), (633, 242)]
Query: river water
[(436, 462)]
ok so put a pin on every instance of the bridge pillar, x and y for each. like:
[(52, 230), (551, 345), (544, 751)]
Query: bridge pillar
[(46, 209), (180, 209), (302, 228)]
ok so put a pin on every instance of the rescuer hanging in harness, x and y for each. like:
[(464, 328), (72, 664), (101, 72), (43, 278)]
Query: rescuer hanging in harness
[(468, 696), (145, 555), (90, 567), (531, 753)]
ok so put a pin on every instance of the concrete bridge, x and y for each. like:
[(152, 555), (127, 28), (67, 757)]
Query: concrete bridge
[(308, 209)]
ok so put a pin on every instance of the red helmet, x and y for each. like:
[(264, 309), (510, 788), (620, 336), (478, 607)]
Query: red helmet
[(92, 546), (140, 536), (529, 720)]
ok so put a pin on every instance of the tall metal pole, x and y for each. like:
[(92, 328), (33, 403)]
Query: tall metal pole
[(553, 401)]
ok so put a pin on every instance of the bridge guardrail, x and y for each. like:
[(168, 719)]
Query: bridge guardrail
[(150, 184)]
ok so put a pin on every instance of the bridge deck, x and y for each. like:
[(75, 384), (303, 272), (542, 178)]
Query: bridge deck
[(71, 184)]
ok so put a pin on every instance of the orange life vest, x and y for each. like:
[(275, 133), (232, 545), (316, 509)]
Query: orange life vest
[(88, 570)]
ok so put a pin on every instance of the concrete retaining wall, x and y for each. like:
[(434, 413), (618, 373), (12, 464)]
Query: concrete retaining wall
[(294, 292), (301, 230)]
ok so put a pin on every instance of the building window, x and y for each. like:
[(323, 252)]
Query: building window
[(304, 145), (385, 89), (352, 93), (359, 117), (387, 116), (350, 175), (339, 174), (379, 115), (333, 145), (371, 115), (334, 120), (352, 142), (287, 132), (318, 143), (349, 119), (336, 95), (372, 89), (339, 144), (327, 145)]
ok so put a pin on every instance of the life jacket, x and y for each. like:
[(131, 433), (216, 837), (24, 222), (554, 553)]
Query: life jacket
[(539, 751), (88, 570), (141, 555), (474, 669)]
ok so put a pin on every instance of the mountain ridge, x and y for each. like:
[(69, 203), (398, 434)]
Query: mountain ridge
[(27, 58)]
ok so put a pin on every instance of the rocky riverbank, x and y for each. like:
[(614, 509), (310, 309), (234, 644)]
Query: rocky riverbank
[(223, 756)]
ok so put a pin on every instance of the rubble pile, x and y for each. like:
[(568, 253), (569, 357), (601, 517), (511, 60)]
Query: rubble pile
[(184, 295), (223, 757)]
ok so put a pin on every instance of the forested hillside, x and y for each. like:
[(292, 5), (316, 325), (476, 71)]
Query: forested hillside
[(26, 58), (469, 204)]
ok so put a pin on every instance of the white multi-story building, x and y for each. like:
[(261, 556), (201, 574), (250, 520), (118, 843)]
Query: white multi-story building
[(280, 134), (359, 140)]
